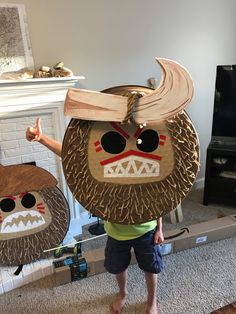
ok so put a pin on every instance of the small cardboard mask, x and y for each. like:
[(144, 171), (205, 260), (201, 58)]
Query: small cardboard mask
[(34, 214)]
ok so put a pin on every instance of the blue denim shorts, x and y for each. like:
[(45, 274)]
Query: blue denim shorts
[(148, 255)]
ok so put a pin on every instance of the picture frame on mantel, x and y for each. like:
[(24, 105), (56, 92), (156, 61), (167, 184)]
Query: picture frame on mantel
[(16, 57)]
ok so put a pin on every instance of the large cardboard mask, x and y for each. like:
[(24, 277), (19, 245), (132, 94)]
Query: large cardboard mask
[(34, 214), (141, 165)]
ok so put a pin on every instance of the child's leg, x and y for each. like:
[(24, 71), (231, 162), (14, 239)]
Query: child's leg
[(151, 282), (122, 283), (150, 261), (119, 302)]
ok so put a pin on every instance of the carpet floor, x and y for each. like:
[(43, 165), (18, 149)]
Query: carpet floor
[(195, 281)]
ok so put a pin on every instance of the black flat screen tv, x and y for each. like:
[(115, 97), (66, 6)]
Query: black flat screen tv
[(224, 114)]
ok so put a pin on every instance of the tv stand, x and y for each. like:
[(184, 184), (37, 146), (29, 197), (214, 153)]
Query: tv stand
[(220, 175), (223, 143)]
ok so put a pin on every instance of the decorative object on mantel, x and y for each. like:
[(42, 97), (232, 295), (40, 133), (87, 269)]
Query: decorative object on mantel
[(43, 71), (15, 49), (58, 71), (34, 214), (61, 71), (130, 153)]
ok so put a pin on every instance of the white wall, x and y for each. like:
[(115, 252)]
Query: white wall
[(114, 42)]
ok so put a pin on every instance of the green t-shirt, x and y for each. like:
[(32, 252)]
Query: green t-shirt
[(128, 232)]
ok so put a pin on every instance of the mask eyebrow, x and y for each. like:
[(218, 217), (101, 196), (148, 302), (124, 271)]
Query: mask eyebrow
[(11, 197), (22, 195), (137, 132), (119, 129)]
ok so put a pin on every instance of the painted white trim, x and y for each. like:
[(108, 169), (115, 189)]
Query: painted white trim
[(199, 183), (76, 225)]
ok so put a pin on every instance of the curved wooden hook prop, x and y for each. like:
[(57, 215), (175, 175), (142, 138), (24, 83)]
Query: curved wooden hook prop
[(173, 94)]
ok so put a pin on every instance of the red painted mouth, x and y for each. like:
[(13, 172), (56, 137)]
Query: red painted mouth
[(129, 153)]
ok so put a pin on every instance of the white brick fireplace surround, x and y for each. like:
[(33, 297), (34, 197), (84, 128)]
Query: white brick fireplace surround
[(20, 103)]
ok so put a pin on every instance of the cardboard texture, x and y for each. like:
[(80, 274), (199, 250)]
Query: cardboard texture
[(95, 262), (227, 309), (199, 234), (167, 100), (89, 256), (62, 275), (122, 162), (131, 141), (34, 214), (17, 179), (180, 239)]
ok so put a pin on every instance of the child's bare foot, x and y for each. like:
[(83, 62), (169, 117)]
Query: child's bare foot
[(151, 309), (118, 304)]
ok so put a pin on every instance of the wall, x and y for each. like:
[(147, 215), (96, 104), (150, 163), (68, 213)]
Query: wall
[(15, 149), (114, 42)]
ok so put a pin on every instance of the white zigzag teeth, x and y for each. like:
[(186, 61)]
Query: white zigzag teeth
[(132, 166), (9, 227)]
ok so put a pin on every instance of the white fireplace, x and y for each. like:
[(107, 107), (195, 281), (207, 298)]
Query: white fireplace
[(20, 103)]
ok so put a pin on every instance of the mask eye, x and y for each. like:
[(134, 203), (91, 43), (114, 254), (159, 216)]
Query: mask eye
[(148, 141), (7, 205), (113, 143), (28, 200)]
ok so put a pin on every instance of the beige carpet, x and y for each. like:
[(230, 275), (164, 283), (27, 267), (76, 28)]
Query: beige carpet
[(194, 281)]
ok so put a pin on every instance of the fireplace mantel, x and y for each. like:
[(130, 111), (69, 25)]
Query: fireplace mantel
[(18, 95)]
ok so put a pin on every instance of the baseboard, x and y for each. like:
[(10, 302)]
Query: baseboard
[(199, 183), (30, 273)]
